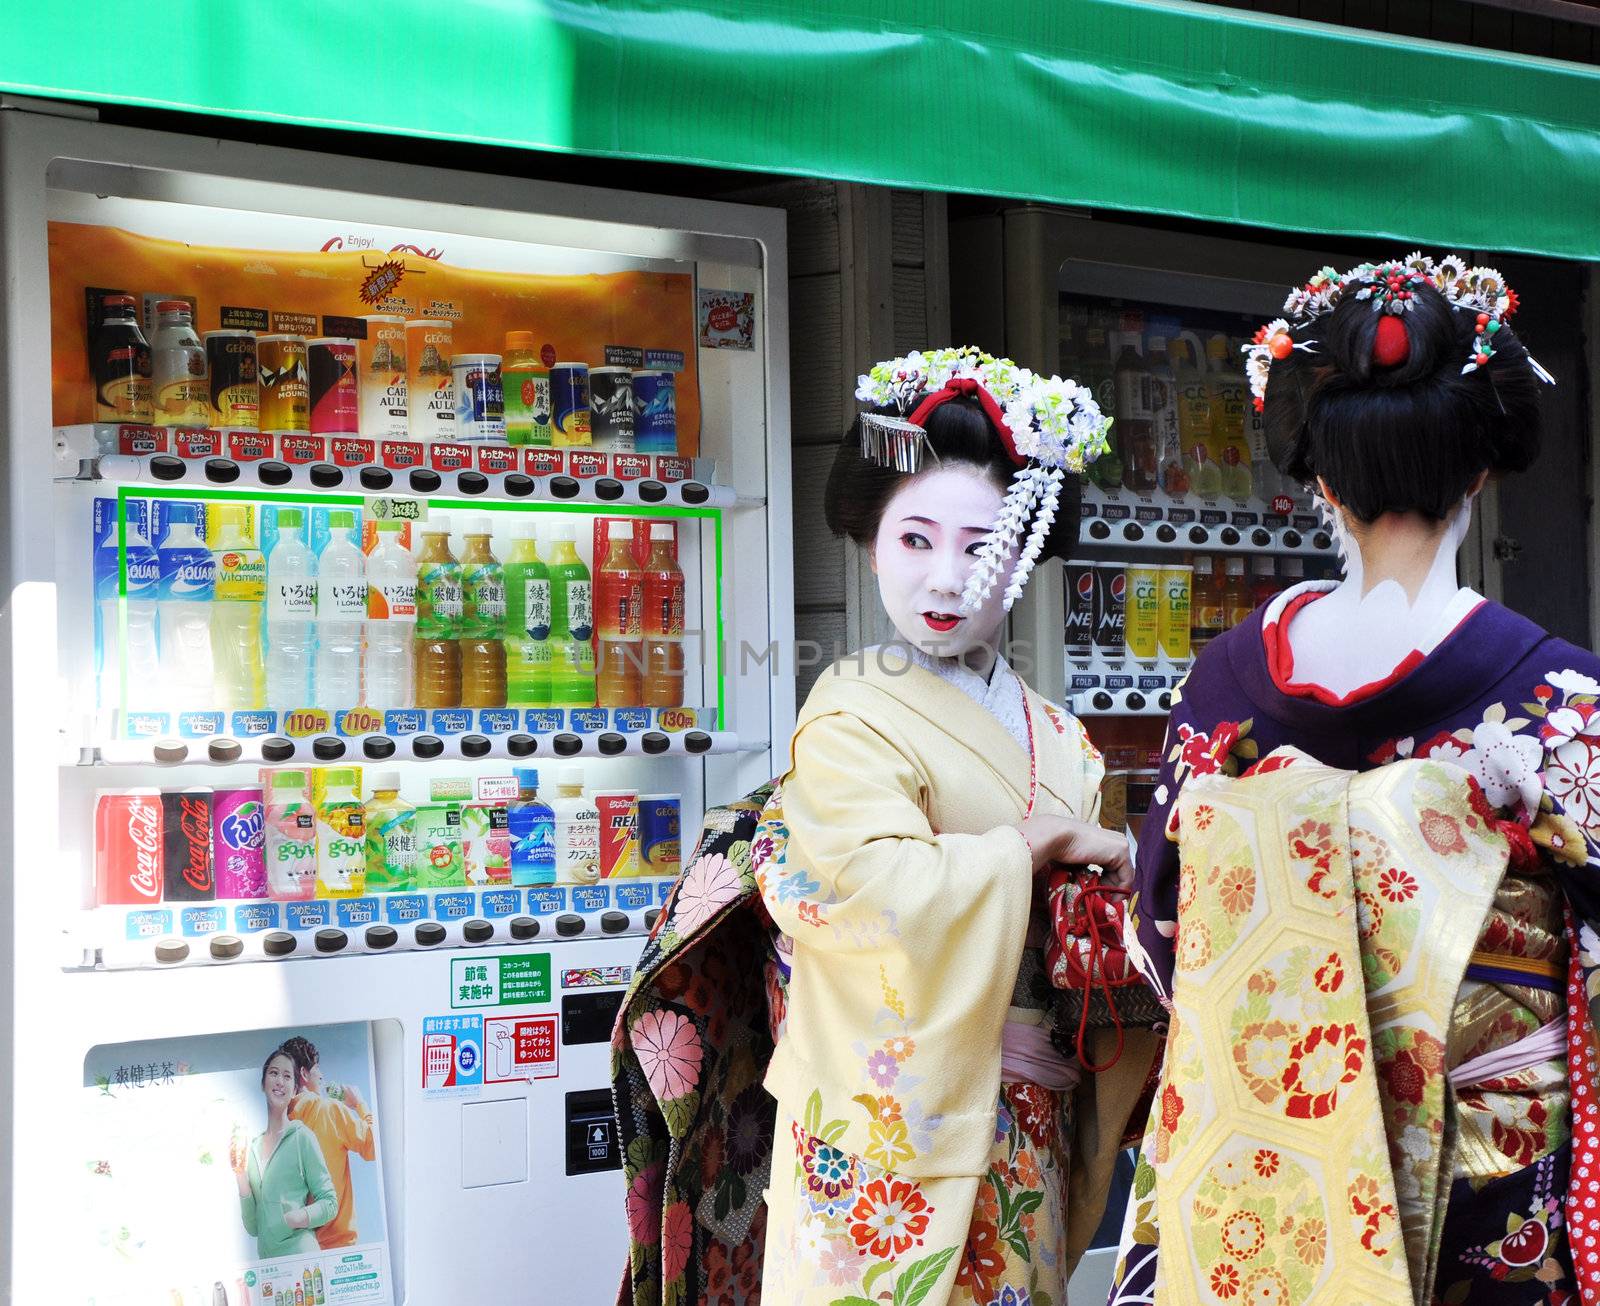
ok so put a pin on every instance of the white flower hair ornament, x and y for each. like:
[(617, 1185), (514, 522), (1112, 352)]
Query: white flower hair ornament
[(1049, 426), (1391, 288)]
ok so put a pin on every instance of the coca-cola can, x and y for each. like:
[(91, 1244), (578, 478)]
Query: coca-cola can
[(186, 869), (127, 848)]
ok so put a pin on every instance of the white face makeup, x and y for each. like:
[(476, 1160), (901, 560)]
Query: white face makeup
[(927, 543)]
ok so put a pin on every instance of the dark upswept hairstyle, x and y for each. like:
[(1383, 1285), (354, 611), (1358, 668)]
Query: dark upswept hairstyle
[(960, 431), (303, 1052), (1407, 438)]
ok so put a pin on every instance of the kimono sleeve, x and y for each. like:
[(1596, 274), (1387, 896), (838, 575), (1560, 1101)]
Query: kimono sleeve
[(1152, 925), (852, 805)]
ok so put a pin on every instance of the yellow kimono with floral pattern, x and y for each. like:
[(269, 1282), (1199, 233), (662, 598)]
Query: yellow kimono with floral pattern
[(907, 893)]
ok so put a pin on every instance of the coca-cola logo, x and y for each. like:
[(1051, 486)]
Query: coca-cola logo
[(144, 834), (194, 826)]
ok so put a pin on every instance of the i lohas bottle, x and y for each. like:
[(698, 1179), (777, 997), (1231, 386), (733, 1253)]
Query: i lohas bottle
[(483, 619), (391, 619), (527, 621), (533, 833), (187, 587), (571, 624), (238, 675), (341, 614), (438, 655), (291, 615), (131, 650)]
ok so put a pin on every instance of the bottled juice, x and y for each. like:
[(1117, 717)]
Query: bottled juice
[(237, 604), (1230, 402), (1135, 417), (341, 833), (527, 638), (1170, 473), (572, 670), (439, 613), (1236, 602), (619, 611), (391, 837), (483, 622), (1207, 606), (486, 843), (1099, 375), (291, 837), (1194, 416), (663, 620), (1263, 579)]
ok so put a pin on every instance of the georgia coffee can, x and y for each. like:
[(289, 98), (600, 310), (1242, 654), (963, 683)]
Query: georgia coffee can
[(186, 872), (335, 397), (235, 393), (611, 409), (1110, 595), (127, 848), (655, 412), (1080, 610), (285, 387)]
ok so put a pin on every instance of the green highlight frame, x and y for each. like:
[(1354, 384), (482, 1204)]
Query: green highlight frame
[(713, 515)]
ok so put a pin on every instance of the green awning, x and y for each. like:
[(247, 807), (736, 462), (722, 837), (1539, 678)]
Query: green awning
[(1146, 105)]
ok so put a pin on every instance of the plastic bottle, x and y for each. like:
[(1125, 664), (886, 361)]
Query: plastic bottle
[(291, 837), (1263, 579), (526, 381), (1170, 473), (527, 621), (1236, 602), (1194, 415), (1135, 419), (237, 604), (291, 616), (572, 671), (533, 833), (132, 654), (438, 618), (1294, 573), (1099, 374), (391, 619), (391, 837), (187, 585), (663, 620), (341, 833), (1266, 483), (178, 368), (1207, 607), (341, 614), (577, 829), (483, 622), (1230, 403), (121, 365), (618, 615)]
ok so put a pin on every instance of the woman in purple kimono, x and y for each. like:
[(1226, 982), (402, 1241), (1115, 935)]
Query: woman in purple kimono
[(1396, 391)]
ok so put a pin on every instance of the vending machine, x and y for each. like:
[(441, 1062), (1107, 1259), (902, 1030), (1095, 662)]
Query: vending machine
[(394, 560)]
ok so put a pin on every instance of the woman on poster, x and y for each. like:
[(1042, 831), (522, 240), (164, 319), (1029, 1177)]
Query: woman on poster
[(1378, 942), (342, 1124), (925, 1119), (285, 1191)]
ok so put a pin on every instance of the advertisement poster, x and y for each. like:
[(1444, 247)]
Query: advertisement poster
[(574, 318), (232, 1170), (727, 319)]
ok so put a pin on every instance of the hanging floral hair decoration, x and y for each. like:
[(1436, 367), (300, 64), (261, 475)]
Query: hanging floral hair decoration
[(1392, 288), (1049, 426)]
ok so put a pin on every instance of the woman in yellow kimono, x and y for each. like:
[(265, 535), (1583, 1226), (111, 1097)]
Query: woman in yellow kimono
[(924, 1117)]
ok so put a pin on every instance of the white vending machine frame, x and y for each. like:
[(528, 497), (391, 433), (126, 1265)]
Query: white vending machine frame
[(548, 1239)]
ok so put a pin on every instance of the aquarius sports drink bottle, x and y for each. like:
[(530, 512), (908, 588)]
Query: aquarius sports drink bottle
[(187, 585), (483, 619), (571, 624), (236, 609), (130, 650), (341, 614), (391, 619), (438, 618), (291, 615), (527, 621)]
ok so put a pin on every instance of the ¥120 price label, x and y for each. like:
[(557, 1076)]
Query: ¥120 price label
[(519, 980)]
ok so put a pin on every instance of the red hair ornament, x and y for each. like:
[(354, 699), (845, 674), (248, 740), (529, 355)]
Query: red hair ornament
[(1392, 344)]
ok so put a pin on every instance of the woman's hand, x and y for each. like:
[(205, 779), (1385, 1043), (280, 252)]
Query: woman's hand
[(297, 1217), (1078, 843)]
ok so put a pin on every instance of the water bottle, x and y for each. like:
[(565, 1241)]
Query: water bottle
[(291, 615), (391, 619), (130, 653), (241, 588), (188, 584), (341, 611)]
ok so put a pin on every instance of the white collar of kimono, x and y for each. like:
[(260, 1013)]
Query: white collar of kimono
[(1452, 614), (1000, 694)]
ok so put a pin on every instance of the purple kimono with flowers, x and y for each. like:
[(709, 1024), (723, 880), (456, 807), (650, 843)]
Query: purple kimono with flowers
[(1517, 709)]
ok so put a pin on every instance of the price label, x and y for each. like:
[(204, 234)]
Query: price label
[(675, 720), (360, 721), (305, 721)]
